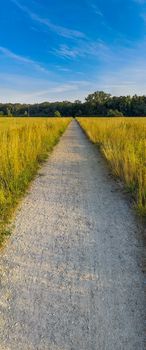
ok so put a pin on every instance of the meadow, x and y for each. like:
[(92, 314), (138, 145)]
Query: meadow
[(24, 144), (123, 143)]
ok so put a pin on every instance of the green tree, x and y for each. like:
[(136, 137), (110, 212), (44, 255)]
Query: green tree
[(114, 113), (9, 112), (98, 97), (96, 103), (57, 114)]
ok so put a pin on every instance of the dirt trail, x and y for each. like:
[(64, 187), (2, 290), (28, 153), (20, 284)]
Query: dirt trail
[(71, 276)]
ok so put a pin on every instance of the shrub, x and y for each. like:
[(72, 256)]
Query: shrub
[(114, 113), (57, 114)]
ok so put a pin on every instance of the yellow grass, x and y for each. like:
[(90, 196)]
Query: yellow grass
[(123, 142), (24, 144)]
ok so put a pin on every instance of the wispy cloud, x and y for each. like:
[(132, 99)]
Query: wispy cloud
[(25, 89), (66, 52), (113, 65), (63, 69), (98, 49), (143, 16), (59, 30), (128, 80), (22, 59), (96, 10), (141, 2)]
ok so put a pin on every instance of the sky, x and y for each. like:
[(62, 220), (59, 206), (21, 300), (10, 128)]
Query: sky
[(55, 50)]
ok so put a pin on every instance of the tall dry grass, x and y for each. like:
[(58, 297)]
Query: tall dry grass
[(24, 144), (123, 142)]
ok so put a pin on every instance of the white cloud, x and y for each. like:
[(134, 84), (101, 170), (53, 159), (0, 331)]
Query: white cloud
[(23, 89), (83, 49), (143, 16), (127, 80), (141, 2), (121, 72), (91, 4), (59, 30), (96, 10), (22, 59), (63, 69), (66, 52)]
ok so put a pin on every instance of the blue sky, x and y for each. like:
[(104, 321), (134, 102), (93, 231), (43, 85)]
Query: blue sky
[(64, 49)]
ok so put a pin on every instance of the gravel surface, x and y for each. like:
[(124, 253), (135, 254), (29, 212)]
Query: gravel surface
[(71, 275)]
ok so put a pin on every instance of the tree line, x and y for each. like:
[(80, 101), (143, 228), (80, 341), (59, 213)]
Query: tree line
[(97, 104)]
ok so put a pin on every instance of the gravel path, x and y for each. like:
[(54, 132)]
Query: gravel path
[(71, 276)]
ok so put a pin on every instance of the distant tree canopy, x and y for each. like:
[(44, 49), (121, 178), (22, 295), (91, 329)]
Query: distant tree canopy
[(97, 104)]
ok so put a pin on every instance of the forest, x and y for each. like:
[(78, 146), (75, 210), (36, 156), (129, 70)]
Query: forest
[(97, 104)]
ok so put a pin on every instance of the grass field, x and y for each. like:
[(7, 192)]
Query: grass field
[(123, 143), (24, 144)]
